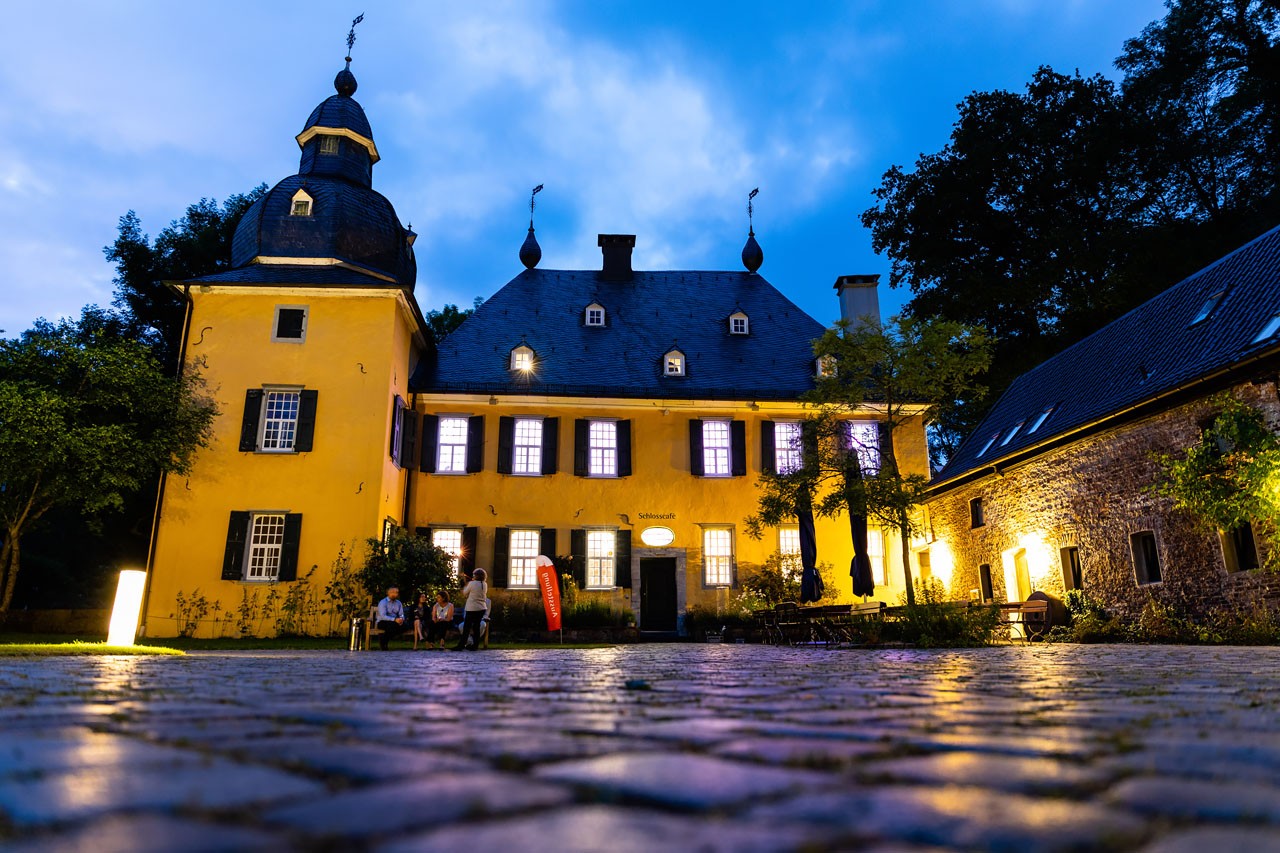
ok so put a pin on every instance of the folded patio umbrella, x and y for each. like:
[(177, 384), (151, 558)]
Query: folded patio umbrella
[(860, 565), (810, 580)]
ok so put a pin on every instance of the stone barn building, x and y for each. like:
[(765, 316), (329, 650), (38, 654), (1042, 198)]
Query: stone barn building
[(1054, 490)]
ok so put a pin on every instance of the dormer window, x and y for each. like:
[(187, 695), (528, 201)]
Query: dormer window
[(1041, 418), (594, 315), (738, 324), (673, 363), (328, 145), (825, 366), (522, 359), (301, 205), (990, 441)]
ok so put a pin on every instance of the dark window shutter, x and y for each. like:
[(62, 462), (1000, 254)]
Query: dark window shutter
[(768, 448), (578, 547), (306, 435), (289, 548), (501, 556), (430, 439), (622, 559), (467, 561), (624, 448), (550, 446), (233, 558), (422, 533), (738, 448), (249, 424), (547, 542), (581, 430), (408, 438), (696, 461), (475, 444), (397, 429), (506, 443)]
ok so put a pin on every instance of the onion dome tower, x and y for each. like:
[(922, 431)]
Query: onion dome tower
[(530, 251), (752, 254), (329, 213)]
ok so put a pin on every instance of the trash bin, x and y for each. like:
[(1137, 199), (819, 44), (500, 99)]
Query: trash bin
[(357, 634)]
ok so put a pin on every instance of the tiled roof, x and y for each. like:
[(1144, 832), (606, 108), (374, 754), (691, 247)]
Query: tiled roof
[(339, 111), (1152, 350), (647, 317), (301, 275)]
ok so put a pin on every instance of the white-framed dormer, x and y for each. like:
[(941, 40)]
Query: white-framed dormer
[(739, 324), (522, 359), (301, 204), (593, 315), (674, 363)]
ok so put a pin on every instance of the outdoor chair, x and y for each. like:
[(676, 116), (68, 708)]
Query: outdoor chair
[(793, 626), (1027, 620)]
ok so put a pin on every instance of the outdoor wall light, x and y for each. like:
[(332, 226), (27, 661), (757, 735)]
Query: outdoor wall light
[(124, 614)]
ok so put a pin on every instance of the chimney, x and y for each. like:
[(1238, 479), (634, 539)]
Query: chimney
[(617, 256), (859, 297)]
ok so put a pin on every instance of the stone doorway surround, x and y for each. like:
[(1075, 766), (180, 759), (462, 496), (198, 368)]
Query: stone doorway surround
[(681, 556)]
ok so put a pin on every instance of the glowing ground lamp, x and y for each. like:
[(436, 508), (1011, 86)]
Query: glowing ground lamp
[(124, 613)]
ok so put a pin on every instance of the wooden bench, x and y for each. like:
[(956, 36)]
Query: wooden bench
[(371, 629), (1030, 619)]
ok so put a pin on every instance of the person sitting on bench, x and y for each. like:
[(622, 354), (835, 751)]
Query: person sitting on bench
[(390, 617), (441, 620)]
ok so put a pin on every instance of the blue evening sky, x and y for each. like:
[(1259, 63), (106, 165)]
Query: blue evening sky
[(652, 118)]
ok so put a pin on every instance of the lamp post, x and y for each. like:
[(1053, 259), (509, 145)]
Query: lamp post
[(124, 614)]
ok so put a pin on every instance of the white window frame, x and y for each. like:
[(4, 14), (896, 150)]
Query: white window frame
[(328, 144), (739, 319), (875, 553), (530, 464), (717, 556), (864, 440), (285, 428), (824, 367), (275, 324), (522, 359), (301, 197), (717, 448), (264, 547), (454, 550), (1209, 306), (789, 549), (602, 558), (593, 315), (673, 363), (788, 452), (455, 461), (522, 568), (602, 449)]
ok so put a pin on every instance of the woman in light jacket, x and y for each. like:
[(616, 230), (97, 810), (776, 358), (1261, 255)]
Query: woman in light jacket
[(476, 592)]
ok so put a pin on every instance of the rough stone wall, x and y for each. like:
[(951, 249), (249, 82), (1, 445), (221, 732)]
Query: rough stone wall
[(1093, 494)]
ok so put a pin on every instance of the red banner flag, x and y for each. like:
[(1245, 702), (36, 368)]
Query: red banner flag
[(549, 584)]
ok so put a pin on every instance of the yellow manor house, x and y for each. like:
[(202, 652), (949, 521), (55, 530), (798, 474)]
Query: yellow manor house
[(616, 415)]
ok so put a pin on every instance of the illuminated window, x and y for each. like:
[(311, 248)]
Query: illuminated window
[(601, 568), (1269, 330), (738, 324), (1207, 309), (279, 421), (595, 315), (825, 366), (1008, 438), (301, 204), (864, 440), (451, 455), (715, 448), (450, 541), (787, 452), (789, 548), (673, 363), (602, 449), (1041, 418), (522, 359), (717, 556), (266, 545), (875, 552), (990, 441), (524, 557), (526, 453), (328, 144)]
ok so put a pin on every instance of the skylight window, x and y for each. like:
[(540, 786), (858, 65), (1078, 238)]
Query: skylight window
[(739, 324), (1269, 330), (1008, 438), (522, 359), (673, 363), (1207, 309), (1041, 418), (594, 315), (990, 441)]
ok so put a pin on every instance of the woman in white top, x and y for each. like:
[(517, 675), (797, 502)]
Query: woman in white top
[(476, 592), (441, 619)]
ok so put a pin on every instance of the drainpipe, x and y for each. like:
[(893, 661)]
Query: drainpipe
[(164, 477)]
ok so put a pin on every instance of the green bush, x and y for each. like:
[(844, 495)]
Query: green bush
[(1163, 623), (409, 562), (778, 580)]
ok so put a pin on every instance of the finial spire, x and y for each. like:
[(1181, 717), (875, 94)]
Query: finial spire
[(530, 251), (345, 82), (752, 255)]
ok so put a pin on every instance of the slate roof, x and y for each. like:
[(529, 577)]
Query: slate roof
[(289, 274), (1152, 350), (340, 111), (647, 316)]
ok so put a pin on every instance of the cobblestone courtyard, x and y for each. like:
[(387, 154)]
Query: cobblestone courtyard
[(657, 747)]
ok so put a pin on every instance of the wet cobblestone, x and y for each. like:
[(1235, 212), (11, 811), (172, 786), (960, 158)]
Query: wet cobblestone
[(731, 748)]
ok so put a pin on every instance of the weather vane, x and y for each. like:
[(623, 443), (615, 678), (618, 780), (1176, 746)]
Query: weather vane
[(536, 190), (751, 210), (351, 34)]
